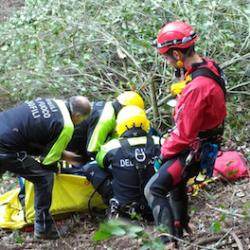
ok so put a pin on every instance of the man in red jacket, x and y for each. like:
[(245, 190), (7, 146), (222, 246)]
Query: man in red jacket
[(199, 113)]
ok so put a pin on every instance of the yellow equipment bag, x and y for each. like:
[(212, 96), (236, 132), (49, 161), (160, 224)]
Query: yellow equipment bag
[(71, 193), (177, 88)]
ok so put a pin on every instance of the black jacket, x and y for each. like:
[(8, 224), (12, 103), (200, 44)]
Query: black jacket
[(130, 161), (39, 127)]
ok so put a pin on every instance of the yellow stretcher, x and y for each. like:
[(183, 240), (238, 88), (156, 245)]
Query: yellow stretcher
[(71, 193)]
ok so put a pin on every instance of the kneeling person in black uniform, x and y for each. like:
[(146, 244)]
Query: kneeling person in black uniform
[(123, 166)]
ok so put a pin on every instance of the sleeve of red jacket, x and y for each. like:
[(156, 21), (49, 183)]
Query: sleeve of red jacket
[(188, 121)]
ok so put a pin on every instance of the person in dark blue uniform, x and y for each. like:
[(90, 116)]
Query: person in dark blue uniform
[(42, 127), (124, 165)]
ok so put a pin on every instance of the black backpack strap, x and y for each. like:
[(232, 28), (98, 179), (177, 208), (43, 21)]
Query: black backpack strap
[(128, 150), (117, 106), (125, 147), (209, 73), (222, 83), (140, 164)]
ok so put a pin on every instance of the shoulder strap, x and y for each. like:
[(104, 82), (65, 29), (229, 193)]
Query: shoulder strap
[(222, 83), (209, 73), (141, 160), (126, 148)]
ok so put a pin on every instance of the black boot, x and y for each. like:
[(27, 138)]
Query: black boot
[(113, 210), (49, 232)]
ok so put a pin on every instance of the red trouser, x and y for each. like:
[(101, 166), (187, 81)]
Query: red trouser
[(172, 211)]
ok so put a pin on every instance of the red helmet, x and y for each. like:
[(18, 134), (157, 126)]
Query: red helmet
[(175, 35)]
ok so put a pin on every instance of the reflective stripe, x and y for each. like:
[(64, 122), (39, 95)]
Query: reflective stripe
[(115, 143), (64, 137), (184, 40), (105, 125), (142, 140)]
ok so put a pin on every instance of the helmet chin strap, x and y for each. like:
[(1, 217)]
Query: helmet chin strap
[(180, 73), (180, 62), (178, 58), (179, 67)]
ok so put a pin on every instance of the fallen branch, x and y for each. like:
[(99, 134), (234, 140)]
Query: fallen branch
[(153, 99), (239, 92), (235, 60), (239, 85), (192, 245), (220, 242), (226, 211), (161, 102), (237, 240), (204, 241), (219, 238)]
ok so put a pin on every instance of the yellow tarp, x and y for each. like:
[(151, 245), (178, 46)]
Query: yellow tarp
[(11, 212), (70, 194)]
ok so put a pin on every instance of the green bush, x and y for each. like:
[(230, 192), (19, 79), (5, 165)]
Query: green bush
[(98, 48)]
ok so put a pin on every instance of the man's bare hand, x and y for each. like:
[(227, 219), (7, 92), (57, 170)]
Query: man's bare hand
[(72, 158)]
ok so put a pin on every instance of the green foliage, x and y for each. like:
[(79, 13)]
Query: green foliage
[(123, 228), (216, 227), (94, 48), (19, 239), (116, 228), (7, 183), (246, 210), (66, 46), (237, 122)]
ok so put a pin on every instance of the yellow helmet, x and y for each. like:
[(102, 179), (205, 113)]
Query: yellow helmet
[(131, 98), (129, 117)]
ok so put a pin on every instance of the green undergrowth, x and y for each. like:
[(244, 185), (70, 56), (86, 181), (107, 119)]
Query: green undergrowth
[(99, 48)]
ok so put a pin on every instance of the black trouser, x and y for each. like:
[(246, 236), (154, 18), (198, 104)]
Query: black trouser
[(172, 211), (100, 179), (104, 183), (42, 178)]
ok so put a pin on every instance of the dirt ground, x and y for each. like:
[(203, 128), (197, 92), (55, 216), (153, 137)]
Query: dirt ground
[(223, 203), (220, 202)]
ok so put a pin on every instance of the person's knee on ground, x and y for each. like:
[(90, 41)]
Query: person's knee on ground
[(100, 180)]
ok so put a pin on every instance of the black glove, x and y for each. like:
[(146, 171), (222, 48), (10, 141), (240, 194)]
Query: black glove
[(180, 211)]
